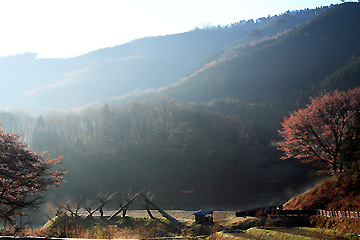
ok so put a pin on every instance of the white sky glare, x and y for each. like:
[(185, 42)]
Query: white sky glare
[(68, 28)]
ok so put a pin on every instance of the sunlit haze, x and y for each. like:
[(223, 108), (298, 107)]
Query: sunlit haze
[(68, 28)]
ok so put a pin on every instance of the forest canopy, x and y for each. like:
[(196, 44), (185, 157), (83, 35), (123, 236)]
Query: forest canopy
[(164, 146)]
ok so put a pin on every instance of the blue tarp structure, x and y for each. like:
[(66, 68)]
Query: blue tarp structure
[(202, 213), (204, 218)]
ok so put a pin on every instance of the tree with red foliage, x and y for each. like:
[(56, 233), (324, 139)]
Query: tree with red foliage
[(319, 132), (24, 175)]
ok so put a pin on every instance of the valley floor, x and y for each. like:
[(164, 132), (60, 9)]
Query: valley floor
[(297, 233), (138, 225)]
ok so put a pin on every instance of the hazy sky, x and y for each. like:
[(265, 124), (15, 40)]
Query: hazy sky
[(67, 28)]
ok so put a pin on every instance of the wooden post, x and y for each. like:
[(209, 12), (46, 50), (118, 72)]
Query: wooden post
[(102, 204), (124, 206), (162, 212), (148, 208)]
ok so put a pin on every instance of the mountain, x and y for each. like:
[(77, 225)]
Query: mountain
[(116, 72), (277, 72), (210, 141)]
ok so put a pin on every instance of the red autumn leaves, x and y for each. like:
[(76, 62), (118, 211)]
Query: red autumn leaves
[(23, 175), (323, 130)]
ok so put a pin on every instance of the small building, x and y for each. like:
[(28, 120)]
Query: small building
[(204, 217)]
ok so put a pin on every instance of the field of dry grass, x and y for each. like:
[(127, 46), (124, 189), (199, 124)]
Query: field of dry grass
[(138, 225)]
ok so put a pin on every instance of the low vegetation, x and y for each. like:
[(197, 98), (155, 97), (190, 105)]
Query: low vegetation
[(337, 193), (347, 226), (223, 228)]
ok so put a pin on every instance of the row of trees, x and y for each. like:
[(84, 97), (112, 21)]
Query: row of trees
[(189, 156), (157, 143)]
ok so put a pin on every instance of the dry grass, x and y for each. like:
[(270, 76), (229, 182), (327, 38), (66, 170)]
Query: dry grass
[(109, 232), (340, 192), (138, 227), (345, 225)]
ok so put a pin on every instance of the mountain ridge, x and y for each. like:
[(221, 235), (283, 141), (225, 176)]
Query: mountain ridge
[(152, 62), (273, 72)]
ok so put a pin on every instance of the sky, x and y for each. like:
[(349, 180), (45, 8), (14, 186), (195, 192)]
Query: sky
[(69, 28)]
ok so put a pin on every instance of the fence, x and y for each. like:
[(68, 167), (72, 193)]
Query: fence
[(277, 211), (338, 214)]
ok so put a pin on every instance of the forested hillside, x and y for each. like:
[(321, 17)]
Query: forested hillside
[(112, 74), (343, 79), (208, 141), (187, 155), (281, 71)]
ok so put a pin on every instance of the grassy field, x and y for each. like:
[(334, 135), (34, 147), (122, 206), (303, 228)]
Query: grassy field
[(297, 233)]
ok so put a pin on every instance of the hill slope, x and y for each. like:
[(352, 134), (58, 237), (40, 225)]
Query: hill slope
[(188, 156), (112, 72), (343, 79), (277, 71), (339, 193)]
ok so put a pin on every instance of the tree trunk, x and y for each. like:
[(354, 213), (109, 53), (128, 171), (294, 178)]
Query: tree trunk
[(101, 212), (334, 165), (124, 211)]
